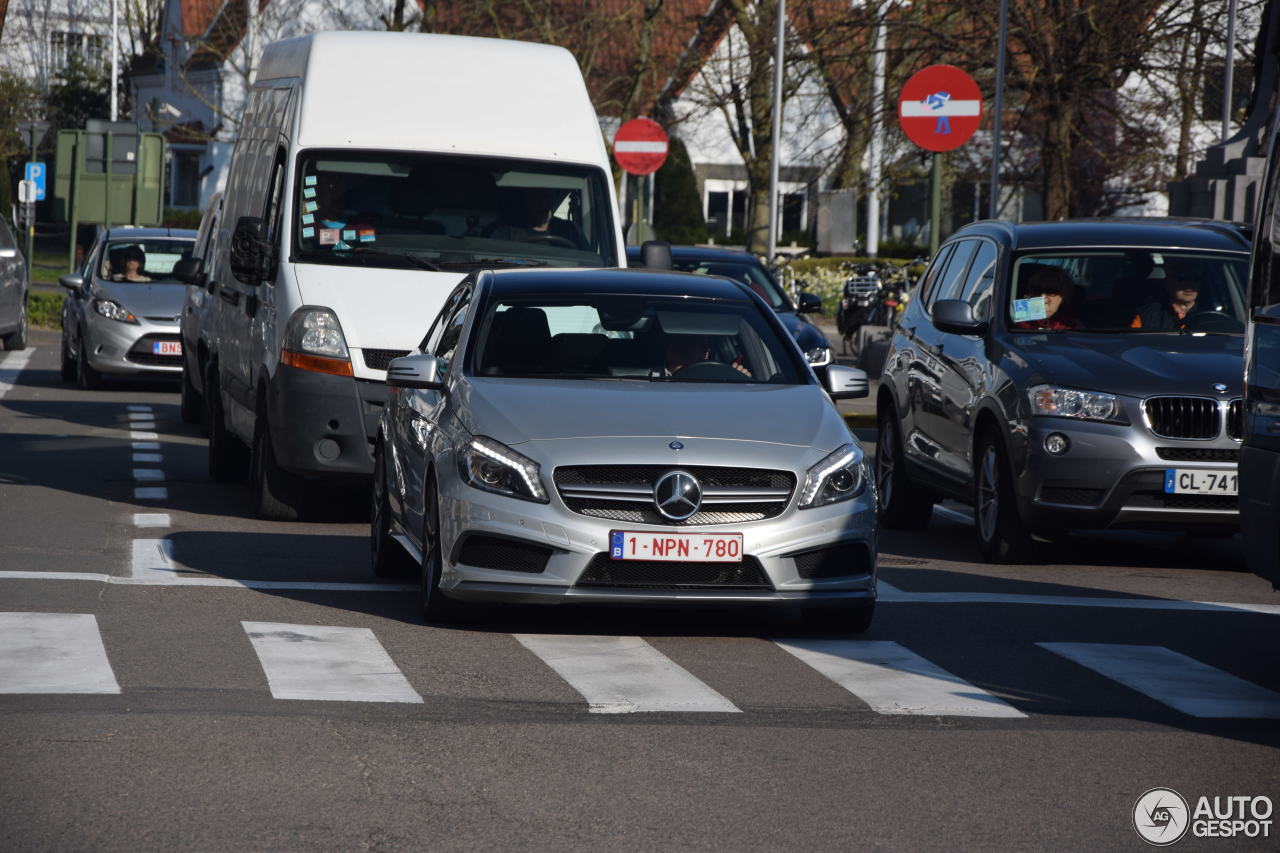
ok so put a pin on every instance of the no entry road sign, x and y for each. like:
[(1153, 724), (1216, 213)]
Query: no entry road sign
[(940, 107), (640, 146)]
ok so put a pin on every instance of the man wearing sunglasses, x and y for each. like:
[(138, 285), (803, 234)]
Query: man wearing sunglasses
[(1182, 287)]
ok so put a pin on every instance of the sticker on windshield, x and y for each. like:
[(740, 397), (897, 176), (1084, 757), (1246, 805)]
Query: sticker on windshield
[(309, 192), (308, 233), (310, 207), (308, 219), (310, 180), (348, 234), (1026, 310), (328, 236), (367, 235)]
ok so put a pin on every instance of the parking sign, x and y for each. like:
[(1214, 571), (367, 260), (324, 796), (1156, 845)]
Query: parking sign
[(36, 173)]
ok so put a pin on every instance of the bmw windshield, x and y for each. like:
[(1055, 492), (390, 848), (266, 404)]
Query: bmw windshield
[(425, 211)]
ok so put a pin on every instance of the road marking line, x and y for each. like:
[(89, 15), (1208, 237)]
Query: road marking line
[(321, 662), (53, 653), (141, 414), (143, 425), (151, 493), (146, 445), (150, 519), (623, 675), (134, 435), (1183, 683), (152, 559), (138, 408), (148, 475), (893, 680), (153, 458), (10, 366)]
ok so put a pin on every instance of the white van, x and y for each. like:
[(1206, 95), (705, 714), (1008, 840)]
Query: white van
[(373, 170)]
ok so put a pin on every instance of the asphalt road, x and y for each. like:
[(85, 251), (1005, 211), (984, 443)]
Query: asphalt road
[(177, 675)]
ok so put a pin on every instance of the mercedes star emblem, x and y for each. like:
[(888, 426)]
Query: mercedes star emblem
[(677, 495), (675, 445)]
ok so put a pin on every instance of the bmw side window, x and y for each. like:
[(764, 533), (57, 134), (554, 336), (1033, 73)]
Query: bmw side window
[(949, 282), (933, 273), (981, 278)]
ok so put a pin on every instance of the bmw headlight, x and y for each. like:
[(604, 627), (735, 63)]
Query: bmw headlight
[(113, 310), (493, 467), (838, 477), (1052, 401), (818, 356)]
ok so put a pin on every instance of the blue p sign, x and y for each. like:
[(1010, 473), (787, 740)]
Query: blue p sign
[(36, 173)]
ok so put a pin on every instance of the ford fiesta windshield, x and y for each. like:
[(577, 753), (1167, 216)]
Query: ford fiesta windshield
[(1129, 291), (143, 261), (655, 339), (420, 211)]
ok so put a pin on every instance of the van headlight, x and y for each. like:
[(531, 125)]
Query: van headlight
[(491, 466), (113, 310), (838, 477), (1052, 401), (315, 331)]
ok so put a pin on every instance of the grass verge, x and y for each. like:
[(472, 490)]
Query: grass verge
[(45, 310)]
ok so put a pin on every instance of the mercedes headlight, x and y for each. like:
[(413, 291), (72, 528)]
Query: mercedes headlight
[(818, 356), (838, 477), (493, 467), (1052, 401), (113, 310)]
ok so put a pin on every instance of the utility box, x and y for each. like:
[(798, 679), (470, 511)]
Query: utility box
[(109, 174), (837, 222)]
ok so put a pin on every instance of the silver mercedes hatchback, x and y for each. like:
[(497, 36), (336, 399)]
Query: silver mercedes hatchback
[(622, 436)]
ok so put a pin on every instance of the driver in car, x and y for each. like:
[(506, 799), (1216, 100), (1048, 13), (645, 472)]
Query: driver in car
[(1182, 287), (538, 224), (684, 350)]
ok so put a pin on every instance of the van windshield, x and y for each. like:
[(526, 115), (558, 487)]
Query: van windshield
[(430, 211)]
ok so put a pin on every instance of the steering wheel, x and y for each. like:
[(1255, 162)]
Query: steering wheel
[(1213, 321), (709, 371), (551, 240)]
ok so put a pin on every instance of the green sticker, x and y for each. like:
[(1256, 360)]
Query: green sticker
[(308, 218), (310, 180), (309, 192), (308, 233), (349, 234), (310, 207)]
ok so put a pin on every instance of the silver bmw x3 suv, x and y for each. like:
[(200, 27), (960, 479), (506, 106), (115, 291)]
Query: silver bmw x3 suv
[(622, 436)]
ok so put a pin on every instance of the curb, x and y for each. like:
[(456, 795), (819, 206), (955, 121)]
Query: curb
[(860, 420)]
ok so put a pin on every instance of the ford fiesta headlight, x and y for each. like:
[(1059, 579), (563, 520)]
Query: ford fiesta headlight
[(491, 466), (1055, 402), (840, 476), (113, 310), (818, 356)]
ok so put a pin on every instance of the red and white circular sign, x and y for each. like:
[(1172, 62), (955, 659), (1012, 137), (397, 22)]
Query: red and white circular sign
[(640, 146), (940, 107)]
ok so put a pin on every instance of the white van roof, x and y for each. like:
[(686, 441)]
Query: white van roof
[(426, 92)]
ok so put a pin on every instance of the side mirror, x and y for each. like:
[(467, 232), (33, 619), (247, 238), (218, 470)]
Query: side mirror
[(72, 281), (956, 316), (810, 303), (846, 383), (421, 370), (251, 255), (187, 271), (655, 255)]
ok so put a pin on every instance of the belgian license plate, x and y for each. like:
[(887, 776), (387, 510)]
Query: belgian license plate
[(1196, 481), (166, 347), (692, 547)]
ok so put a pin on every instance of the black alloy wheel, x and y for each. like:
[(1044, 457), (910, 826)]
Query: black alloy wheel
[(228, 458), (1002, 535), (191, 404), (900, 505), (279, 492), (435, 606), (388, 558)]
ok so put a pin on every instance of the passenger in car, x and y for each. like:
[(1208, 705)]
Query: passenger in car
[(1182, 288), (1058, 291), (132, 263)]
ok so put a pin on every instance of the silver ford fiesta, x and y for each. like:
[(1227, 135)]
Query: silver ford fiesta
[(622, 436)]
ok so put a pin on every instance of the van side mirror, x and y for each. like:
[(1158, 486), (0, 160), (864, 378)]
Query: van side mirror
[(421, 370), (956, 317), (251, 255), (655, 255), (810, 303), (846, 383), (187, 271)]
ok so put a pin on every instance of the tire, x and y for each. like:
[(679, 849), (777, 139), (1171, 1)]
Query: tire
[(67, 367), (86, 377), (18, 339), (386, 557), (228, 459), (436, 608), (191, 404), (900, 505), (278, 491), (1002, 535), (847, 619)]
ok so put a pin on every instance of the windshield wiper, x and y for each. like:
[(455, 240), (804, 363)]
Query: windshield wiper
[(363, 254)]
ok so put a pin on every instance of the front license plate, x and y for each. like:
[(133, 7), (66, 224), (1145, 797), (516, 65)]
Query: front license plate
[(692, 547), (166, 347), (1195, 481)]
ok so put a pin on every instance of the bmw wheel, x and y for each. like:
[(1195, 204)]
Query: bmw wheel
[(900, 505), (1002, 535)]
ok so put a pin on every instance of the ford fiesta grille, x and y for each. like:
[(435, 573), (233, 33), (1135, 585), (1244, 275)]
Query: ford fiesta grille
[(625, 493), (1183, 417)]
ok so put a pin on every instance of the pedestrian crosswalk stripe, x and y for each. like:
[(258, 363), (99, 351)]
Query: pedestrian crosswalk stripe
[(623, 675), (1183, 683), (53, 653), (320, 662), (10, 366), (893, 680)]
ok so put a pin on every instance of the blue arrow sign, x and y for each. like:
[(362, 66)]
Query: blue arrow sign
[(36, 174)]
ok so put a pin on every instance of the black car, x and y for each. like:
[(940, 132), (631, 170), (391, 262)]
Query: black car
[(1069, 375), (13, 292), (746, 268)]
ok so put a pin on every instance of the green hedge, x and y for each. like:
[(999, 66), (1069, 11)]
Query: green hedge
[(45, 310), (825, 276)]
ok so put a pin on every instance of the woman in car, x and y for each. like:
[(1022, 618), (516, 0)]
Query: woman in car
[(1054, 286)]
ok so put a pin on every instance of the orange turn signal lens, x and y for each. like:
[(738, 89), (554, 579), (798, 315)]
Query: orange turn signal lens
[(317, 363)]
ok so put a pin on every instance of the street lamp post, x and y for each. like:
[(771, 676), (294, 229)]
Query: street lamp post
[(775, 152)]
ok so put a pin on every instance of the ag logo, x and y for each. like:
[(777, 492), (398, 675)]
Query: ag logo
[(1161, 817)]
